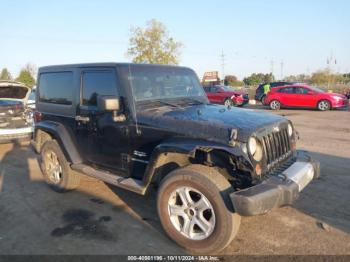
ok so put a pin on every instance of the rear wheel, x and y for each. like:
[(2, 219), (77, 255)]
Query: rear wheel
[(275, 105), (56, 169), (195, 209), (263, 99), (323, 105)]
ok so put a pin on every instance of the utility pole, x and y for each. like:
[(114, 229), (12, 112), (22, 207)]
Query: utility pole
[(272, 65), (282, 67), (223, 59)]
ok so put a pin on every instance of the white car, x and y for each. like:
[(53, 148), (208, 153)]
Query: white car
[(16, 118)]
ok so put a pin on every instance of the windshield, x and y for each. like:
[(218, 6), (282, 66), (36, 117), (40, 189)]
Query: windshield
[(162, 83), (228, 88), (317, 89), (13, 92)]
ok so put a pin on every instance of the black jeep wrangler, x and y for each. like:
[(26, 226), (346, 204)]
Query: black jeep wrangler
[(136, 126)]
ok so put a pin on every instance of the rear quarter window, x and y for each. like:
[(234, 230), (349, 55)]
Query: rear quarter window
[(56, 88)]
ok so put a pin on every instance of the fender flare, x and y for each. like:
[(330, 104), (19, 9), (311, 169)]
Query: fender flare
[(189, 147), (63, 137)]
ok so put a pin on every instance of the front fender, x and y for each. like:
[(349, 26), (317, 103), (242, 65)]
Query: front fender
[(63, 137), (189, 147)]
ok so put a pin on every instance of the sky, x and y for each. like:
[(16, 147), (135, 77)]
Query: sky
[(254, 35)]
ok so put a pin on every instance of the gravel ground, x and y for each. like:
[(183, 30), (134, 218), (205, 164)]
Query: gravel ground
[(98, 219)]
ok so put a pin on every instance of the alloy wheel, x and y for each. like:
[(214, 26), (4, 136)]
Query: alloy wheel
[(323, 105), (53, 167), (275, 105), (191, 213)]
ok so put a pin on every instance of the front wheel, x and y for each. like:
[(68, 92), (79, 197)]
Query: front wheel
[(275, 105), (228, 103), (195, 209), (323, 105)]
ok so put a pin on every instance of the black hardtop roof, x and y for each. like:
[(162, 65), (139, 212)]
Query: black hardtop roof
[(106, 64)]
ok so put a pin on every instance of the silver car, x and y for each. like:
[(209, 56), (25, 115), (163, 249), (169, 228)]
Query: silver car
[(16, 117)]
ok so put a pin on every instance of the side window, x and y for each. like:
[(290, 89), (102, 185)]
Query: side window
[(96, 83), (213, 89), (301, 91), (56, 88), (287, 90)]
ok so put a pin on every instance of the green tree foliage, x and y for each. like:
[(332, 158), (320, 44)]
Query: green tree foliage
[(298, 78), (258, 78), (26, 75), (5, 74), (153, 45), (231, 80)]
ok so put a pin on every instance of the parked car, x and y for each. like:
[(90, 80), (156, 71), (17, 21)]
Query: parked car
[(16, 119), (227, 96), (259, 93), (305, 97), (136, 126)]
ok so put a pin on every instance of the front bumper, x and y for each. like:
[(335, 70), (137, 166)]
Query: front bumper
[(277, 191), (9, 135), (341, 103)]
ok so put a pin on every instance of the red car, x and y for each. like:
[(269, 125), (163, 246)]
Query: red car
[(226, 95), (305, 97)]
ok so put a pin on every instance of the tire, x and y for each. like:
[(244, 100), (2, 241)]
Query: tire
[(224, 223), (275, 105), (262, 100), (323, 105), (62, 178), (228, 102)]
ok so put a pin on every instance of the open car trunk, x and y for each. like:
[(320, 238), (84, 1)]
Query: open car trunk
[(13, 106)]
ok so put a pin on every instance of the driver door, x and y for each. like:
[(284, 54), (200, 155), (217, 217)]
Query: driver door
[(104, 142)]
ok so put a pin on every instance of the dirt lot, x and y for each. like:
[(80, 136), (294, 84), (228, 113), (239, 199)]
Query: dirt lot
[(98, 219)]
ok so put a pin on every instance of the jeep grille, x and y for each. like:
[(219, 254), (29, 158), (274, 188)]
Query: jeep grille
[(277, 147)]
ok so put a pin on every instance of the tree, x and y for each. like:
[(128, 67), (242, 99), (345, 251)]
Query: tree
[(5, 74), (298, 78), (322, 77), (231, 80), (26, 76), (257, 79), (153, 45)]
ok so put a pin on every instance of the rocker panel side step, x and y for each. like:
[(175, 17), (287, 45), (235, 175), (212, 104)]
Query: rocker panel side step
[(130, 184)]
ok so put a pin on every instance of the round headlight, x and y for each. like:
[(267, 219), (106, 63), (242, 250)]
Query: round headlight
[(252, 145), (290, 130), (255, 149)]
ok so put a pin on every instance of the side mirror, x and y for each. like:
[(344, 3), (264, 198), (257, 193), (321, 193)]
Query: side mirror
[(108, 103)]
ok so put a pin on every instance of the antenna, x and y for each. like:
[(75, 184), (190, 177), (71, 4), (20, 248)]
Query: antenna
[(223, 58), (131, 80)]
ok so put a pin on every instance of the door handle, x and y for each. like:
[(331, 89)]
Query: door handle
[(82, 118)]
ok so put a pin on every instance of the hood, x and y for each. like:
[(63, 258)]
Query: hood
[(13, 91), (336, 95), (209, 122)]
